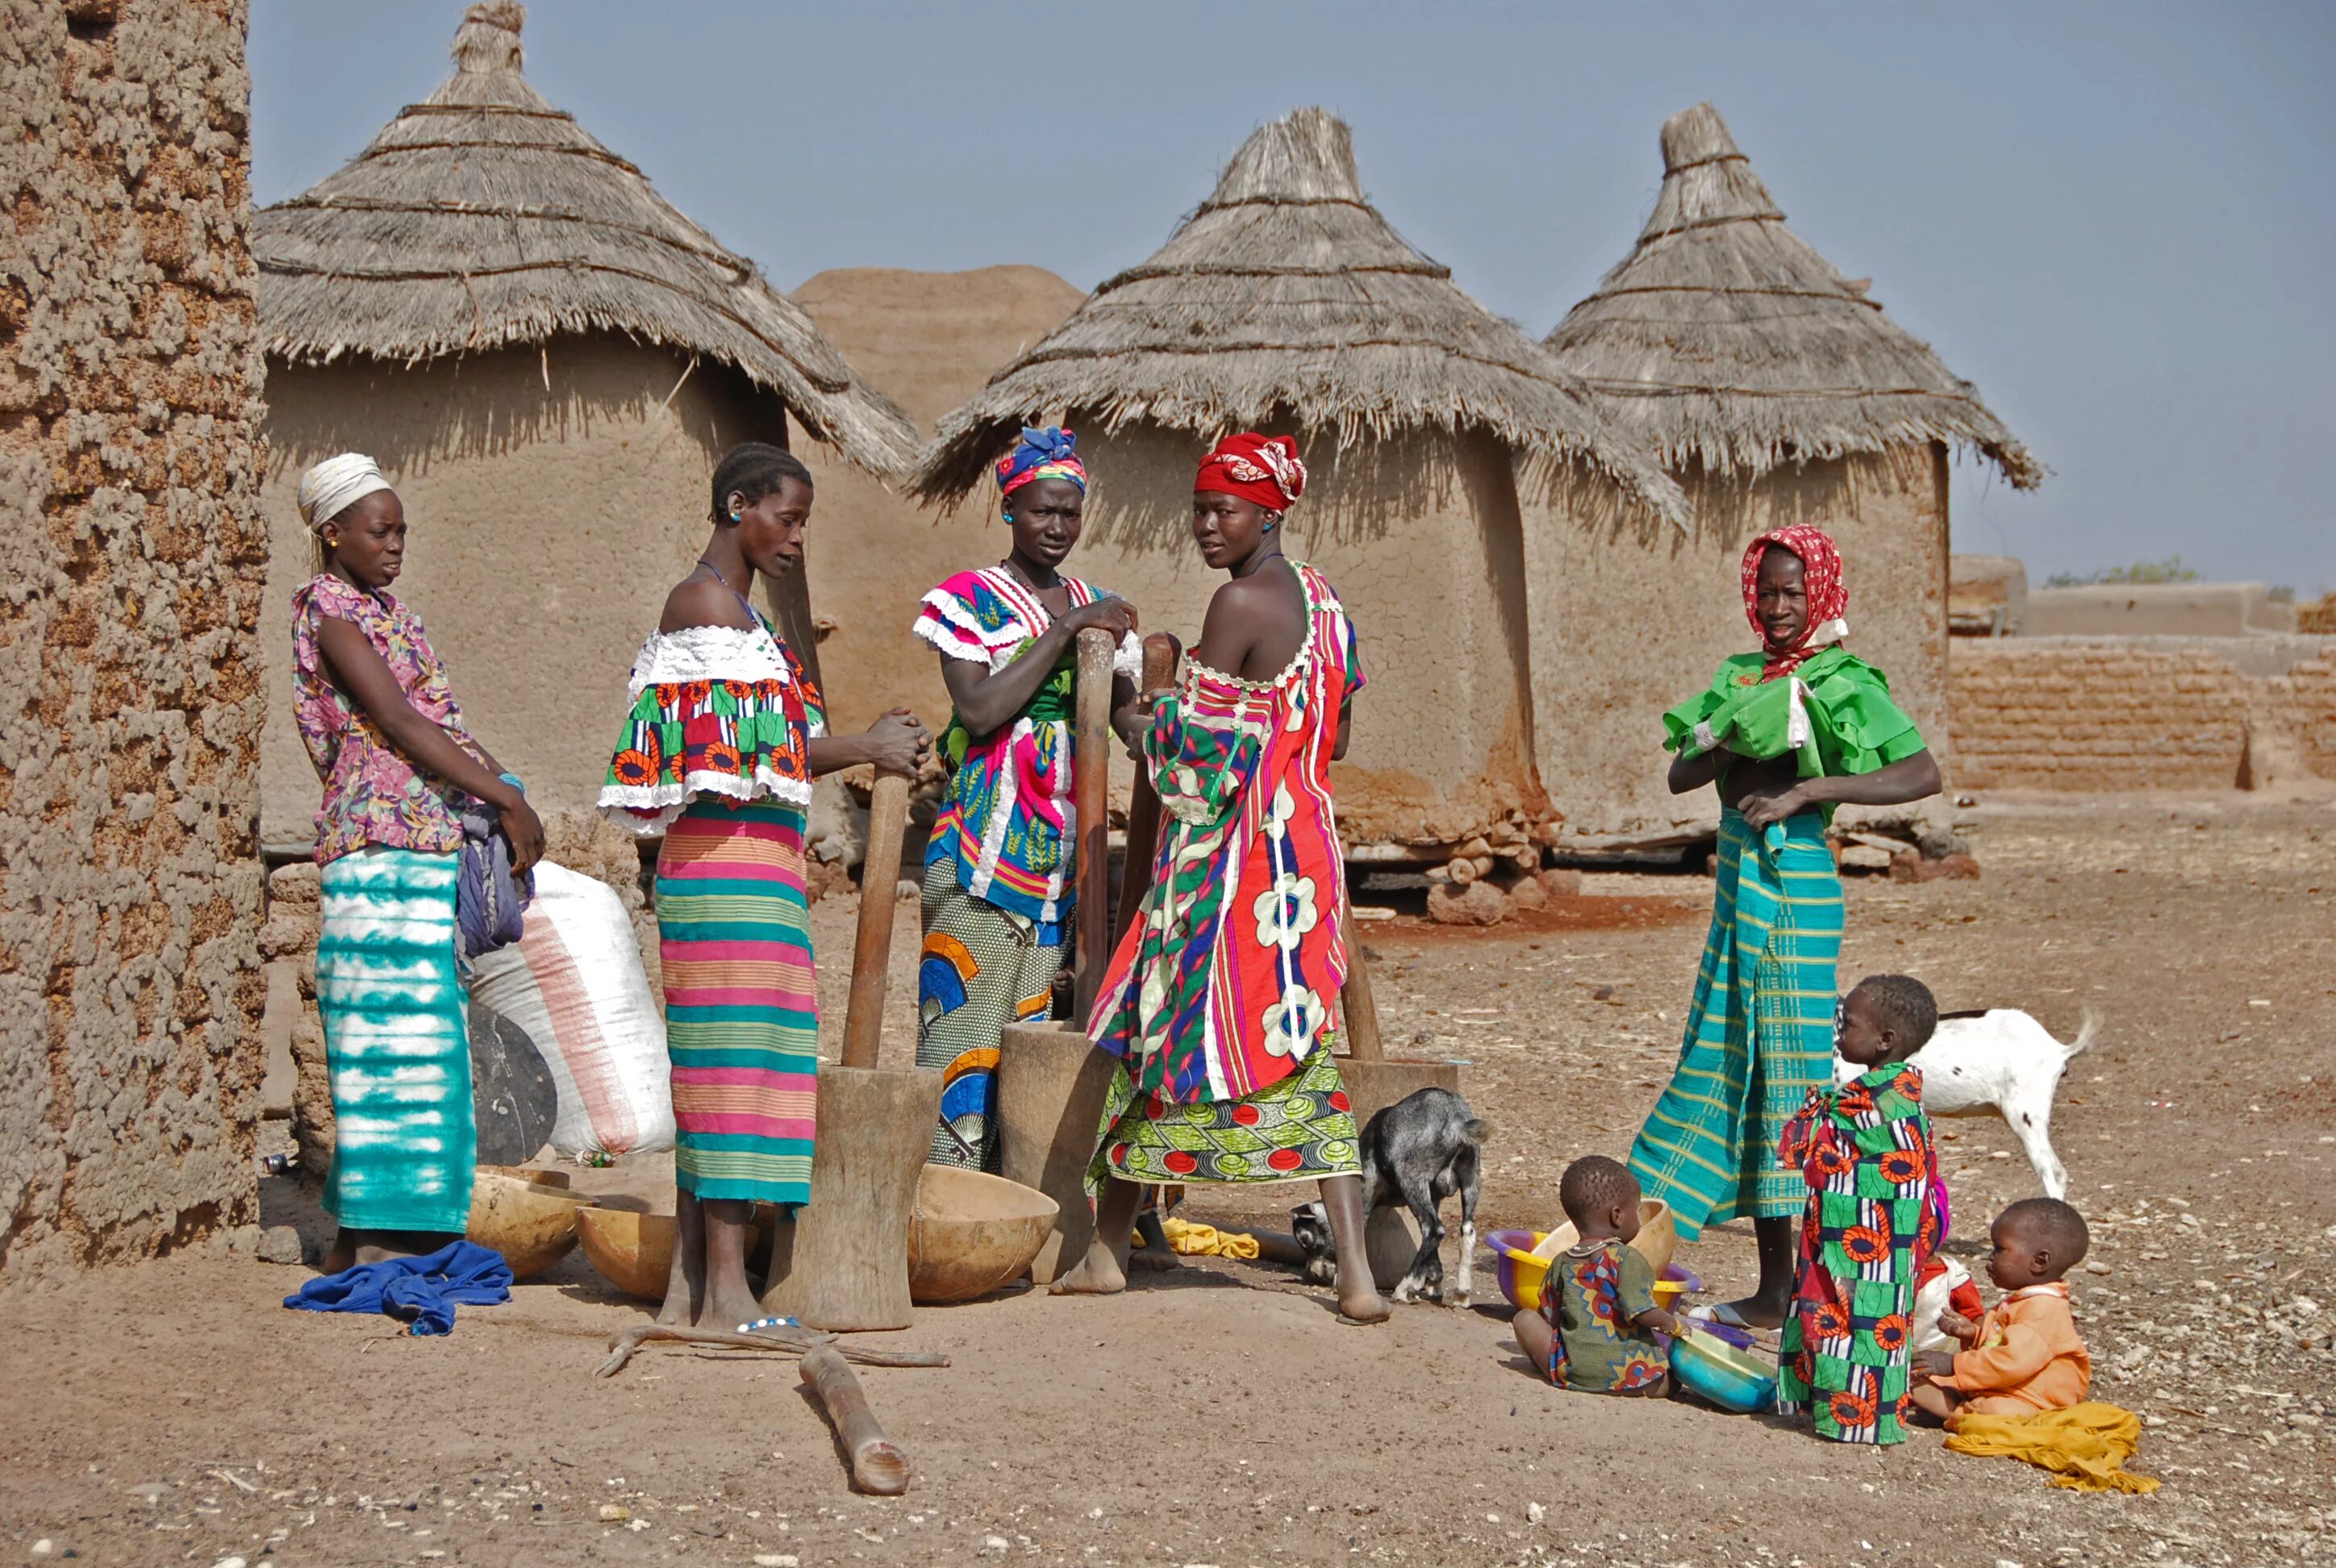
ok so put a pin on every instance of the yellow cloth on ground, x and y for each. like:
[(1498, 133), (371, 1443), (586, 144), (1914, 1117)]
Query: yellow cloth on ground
[(1207, 1241), (2087, 1445)]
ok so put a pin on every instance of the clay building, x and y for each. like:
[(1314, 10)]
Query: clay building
[(1777, 390), (132, 550), (547, 360), (931, 339), (1286, 303)]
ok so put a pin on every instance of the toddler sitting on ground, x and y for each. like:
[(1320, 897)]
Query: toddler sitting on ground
[(1594, 1330), (2025, 1355)]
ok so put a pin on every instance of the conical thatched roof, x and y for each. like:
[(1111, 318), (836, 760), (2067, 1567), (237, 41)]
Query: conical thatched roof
[(1287, 295), (484, 218), (1724, 339)]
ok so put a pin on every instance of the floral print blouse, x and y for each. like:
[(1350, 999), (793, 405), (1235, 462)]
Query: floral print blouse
[(372, 796)]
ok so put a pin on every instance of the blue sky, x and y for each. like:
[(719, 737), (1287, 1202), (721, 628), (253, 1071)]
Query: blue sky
[(2118, 219)]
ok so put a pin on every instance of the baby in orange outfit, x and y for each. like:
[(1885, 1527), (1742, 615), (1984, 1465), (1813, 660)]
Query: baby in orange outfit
[(2025, 1355)]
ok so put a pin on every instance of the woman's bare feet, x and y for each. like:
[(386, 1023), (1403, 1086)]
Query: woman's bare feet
[(684, 1281), (729, 1299), (1098, 1274), (1359, 1301), (1103, 1271), (1152, 1259)]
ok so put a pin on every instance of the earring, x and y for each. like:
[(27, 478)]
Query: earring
[(737, 517)]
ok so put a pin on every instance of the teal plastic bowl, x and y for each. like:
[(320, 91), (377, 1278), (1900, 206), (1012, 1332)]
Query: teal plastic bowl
[(1732, 1379)]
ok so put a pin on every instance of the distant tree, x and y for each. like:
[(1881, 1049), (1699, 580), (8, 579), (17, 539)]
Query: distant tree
[(2170, 569)]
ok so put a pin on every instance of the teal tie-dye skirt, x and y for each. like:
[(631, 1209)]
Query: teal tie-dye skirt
[(397, 1041)]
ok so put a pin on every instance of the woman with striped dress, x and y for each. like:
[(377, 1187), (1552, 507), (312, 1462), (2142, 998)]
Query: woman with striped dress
[(725, 734), (378, 717), (1786, 734)]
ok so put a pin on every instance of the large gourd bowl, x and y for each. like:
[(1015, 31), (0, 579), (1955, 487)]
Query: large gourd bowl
[(973, 1232), (528, 1216)]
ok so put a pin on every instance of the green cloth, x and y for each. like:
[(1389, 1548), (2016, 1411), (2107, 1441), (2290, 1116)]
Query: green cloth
[(1054, 702), (1759, 1032), (1853, 726), (1301, 1128), (1592, 1299)]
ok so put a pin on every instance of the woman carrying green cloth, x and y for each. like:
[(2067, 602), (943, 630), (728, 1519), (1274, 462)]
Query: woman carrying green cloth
[(1787, 734)]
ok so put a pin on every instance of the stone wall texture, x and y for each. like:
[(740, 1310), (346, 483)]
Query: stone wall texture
[(2142, 713), (131, 560)]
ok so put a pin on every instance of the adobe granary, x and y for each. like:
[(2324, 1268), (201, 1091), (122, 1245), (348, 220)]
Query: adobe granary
[(1286, 303), (548, 359), (1777, 391)]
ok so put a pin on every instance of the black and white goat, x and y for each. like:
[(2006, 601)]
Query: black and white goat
[(2002, 1060), (1419, 1151)]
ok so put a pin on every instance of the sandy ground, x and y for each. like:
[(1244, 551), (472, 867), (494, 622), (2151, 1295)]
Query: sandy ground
[(174, 1413)]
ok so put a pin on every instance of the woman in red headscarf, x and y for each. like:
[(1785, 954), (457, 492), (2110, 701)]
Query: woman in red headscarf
[(1217, 1003), (1787, 734)]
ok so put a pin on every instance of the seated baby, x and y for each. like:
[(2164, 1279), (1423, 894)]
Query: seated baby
[(1594, 1330), (2024, 1356)]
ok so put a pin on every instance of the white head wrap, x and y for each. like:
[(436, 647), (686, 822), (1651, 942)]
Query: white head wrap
[(336, 484)]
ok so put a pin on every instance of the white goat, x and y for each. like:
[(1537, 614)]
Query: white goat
[(2000, 1060)]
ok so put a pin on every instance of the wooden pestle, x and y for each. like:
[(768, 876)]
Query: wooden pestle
[(1161, 653), (1355, 1000), (1091, 757), (878, 1466), (871, 948)]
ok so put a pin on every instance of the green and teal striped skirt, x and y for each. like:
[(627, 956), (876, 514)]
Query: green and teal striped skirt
[(1758, 1036), (398, 1043)]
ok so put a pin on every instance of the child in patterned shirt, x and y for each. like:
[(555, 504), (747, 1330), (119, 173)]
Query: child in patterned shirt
[(1596, 1326)]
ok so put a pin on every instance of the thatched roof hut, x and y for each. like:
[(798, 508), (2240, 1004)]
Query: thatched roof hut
[(1723, 340), (548, 359), (1777, 391), (1286, 302), (484, 217)]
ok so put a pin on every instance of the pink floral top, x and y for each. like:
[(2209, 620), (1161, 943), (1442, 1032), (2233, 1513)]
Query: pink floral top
[(372, 796)]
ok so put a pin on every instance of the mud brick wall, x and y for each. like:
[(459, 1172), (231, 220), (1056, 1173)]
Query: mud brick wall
[(2139, 712), (131, 557)]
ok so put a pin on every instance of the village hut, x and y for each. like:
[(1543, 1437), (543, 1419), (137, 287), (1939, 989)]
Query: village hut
[(1286, 303), (1777, 390), (547, 360)]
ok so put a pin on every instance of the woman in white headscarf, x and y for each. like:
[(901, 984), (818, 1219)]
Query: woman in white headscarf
[(379, 719)]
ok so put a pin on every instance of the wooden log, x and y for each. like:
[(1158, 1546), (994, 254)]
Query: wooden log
[(1160, 657), (1356, 1001), (1051, 1087), (871, 949), (1091, 750), (842, 1264), (878, 1466)]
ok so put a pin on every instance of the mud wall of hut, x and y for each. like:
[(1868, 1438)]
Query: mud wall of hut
[(131, 555), (2143, 713), (928, 340), (1632, 616), (1421, 537), (553, 496)]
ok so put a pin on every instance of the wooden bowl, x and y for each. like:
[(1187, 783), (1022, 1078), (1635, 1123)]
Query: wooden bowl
[(634, 1252), (973, 1232), (528, 1216)]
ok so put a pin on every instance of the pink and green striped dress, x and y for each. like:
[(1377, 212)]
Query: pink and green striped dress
[(714, 754)]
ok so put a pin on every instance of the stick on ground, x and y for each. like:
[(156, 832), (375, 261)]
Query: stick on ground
[(793, 1342)]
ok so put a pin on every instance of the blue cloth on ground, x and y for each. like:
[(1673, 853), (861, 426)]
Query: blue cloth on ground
[(422, 1290)]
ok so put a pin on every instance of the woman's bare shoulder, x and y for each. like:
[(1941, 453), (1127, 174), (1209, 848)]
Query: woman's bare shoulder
[(703, 602)]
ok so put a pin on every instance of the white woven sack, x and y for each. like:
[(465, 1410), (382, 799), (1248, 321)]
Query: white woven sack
[(574, 984)]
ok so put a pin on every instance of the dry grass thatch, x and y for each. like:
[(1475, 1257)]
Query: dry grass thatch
[(484, 218), (1724, 339), (1286, 298)]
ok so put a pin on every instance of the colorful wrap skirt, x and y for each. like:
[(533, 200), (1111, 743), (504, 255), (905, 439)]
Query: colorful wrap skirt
[(980, 969), (1301, 1128), (742, 1012), (1759, 1032), (398, 1043)]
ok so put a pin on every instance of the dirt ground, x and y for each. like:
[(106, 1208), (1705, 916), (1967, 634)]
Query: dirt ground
[(175, 1414)]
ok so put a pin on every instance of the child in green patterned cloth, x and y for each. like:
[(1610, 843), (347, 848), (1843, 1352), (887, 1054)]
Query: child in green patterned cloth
[(1596, 1325)]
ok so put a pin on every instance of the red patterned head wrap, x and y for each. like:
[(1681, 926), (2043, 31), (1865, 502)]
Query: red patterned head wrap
[(1262, 470), (1820, 577)]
